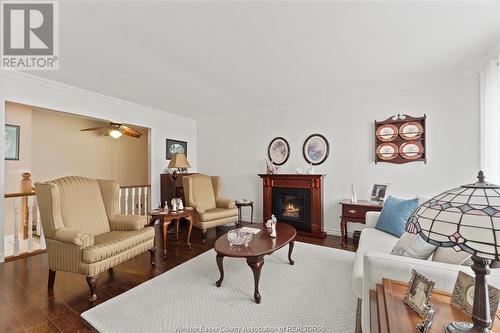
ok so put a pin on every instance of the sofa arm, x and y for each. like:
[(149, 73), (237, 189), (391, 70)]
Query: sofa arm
[(127, 222), (74, 236), (198, 207), (371, 219), (225, 203)]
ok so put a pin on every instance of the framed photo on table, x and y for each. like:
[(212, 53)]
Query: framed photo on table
[(175, 147), (419, 293), (12, 142), (379, 192), (463, 295)]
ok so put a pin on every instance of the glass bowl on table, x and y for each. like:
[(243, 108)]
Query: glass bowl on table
[(238, 237)]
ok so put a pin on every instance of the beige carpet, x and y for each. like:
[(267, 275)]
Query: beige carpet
[(314, 295)]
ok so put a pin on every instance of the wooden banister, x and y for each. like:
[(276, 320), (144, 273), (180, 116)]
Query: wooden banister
[(18, 195), (132, 186)]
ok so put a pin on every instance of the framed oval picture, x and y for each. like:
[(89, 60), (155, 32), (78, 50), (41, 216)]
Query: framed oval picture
[(278, 151), (316, 149)]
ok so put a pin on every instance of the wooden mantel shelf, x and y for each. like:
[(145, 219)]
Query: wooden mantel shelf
[(294, 175), (311, 182)]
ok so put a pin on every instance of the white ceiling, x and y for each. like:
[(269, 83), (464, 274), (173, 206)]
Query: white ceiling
[(200, 59)]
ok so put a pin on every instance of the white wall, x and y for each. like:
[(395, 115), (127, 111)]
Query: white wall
[(27, 89), (235, 147)]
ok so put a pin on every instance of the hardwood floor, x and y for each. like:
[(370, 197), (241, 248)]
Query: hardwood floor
[(27, 306)]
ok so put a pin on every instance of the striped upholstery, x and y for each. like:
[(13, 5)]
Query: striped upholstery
[(110, 191), (114, 242), (217, 214), (203, 193), (82, 207), (77, 214)]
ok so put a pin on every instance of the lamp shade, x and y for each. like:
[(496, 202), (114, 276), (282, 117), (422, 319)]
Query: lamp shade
[(466, 218), (179, 161)]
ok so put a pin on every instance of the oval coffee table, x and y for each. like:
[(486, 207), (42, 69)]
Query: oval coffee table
[(262, 244)]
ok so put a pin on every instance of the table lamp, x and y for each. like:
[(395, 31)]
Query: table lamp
[(178, 161), (466, 218)]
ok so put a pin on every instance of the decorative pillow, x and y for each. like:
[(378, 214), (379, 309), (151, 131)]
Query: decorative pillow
[(450, 256), (413, 246), (394, 215)]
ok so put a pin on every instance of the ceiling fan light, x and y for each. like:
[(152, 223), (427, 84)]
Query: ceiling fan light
[(115, 134)]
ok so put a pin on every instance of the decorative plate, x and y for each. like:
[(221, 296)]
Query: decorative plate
[(411, 150), (387, 132), (411, 130), (278, 151), (316, 149), (387, 151)]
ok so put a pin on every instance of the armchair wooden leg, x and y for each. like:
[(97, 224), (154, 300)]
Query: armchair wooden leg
[(52, 279), (92, 282), (203, 237), (152, 256)]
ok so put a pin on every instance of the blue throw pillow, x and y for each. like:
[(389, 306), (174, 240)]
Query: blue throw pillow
[(394, 215)]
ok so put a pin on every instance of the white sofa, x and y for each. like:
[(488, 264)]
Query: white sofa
[(373, 262)]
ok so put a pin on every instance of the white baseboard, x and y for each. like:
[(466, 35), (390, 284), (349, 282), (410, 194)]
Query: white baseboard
[(328, 230), (2, 258), (246, 218)]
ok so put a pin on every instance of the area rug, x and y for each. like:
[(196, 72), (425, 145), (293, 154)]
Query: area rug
[(314, 295)]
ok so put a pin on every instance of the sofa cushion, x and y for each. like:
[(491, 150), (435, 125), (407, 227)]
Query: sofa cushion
[(370, 240), (114, 242), (413, 246), (450, 256), (394, 215), (217, 214)]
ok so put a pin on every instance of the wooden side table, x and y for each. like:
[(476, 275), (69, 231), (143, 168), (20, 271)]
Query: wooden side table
[(389, 314), (169, 217), (245, 203), (355, 212)]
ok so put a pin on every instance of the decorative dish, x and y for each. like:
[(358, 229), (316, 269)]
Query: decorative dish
[(387, 132), (387, 151)]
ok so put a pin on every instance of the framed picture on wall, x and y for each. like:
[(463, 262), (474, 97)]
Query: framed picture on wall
[(278, 151), (175, 147), (316, 149), (12, 142)]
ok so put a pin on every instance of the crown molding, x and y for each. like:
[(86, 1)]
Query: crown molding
[(56, 85), (492, 53)]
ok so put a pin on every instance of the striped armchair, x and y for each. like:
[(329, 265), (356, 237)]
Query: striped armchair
[(84, 231), (202, 192)]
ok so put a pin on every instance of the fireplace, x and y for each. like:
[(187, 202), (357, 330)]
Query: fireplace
[(295, 199), (292, 205)]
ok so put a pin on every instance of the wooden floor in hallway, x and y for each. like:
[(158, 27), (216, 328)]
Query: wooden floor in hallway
[(27, 306)]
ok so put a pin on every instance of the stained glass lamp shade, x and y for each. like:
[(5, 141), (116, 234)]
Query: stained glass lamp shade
[(466, 218)]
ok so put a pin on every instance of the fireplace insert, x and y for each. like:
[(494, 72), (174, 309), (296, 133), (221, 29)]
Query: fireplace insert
[(292, 206)]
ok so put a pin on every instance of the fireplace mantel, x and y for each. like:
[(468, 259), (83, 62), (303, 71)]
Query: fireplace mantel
[(314, 183)]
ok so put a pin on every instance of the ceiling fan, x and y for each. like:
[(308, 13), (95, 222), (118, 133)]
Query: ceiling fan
[(116, 130)]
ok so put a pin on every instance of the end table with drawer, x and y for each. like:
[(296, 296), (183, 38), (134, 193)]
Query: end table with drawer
[(355, 212)]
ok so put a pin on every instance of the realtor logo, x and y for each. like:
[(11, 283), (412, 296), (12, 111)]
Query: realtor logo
[(30, 36)]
